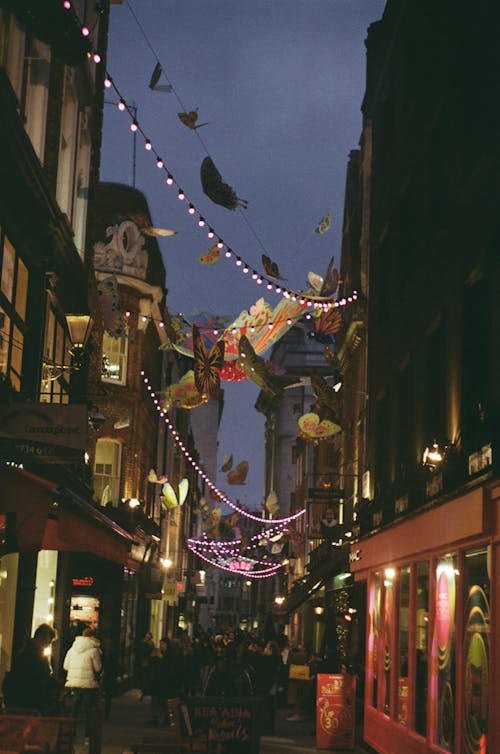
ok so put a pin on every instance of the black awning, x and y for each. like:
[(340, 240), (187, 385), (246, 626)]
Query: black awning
[(336, 563)]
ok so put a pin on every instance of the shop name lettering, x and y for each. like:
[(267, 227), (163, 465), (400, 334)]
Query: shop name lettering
[(354, 556), (85, 581), (57, 429)]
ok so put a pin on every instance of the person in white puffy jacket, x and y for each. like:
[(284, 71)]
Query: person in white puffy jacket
[(83, 665)]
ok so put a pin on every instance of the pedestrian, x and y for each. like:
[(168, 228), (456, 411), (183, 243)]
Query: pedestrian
[(145, 648), (271, 667), (83, 665), (31, 684)]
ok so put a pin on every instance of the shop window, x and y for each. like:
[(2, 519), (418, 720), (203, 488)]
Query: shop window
[(45, 589), (403, 644), (107, 471), (444, 635), (373, 639), (114, 359), (81, 188), (8, 587), (37, 75), (476, 652), (387, 648), (67, 144), (421, 647), (13, 297), (12, 51)]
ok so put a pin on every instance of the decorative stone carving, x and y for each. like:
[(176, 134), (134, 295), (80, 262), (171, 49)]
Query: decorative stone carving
[(123, 251)]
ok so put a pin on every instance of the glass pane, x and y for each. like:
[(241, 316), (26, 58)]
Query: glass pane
[(48, 347), (59, 352), (476, 652), (373, 638), (421, 647), (21, 289), (387, 636), (43, 606), (16, 358), (114, 359), (445, 647), (4, 341), (9, 260), (404, 615), (8, 584)]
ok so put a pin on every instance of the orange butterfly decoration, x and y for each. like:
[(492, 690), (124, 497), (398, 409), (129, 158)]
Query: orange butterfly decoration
[(328, 323), (325, 394), (211, 256), (207, 366), (189, 119), (239, 474), (271, 268)]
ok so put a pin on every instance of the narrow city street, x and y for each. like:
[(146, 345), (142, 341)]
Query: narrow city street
[(129, 715)]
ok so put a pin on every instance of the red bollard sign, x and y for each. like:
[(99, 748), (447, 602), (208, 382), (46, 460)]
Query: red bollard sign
[(335, 711)]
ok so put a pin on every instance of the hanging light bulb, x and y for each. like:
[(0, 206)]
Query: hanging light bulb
[(122, 105), (159, 163), (169, 180), (134, 126), (148, 146)]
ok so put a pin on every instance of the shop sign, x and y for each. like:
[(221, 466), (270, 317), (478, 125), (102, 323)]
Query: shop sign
[(335, 711), (170, 591), (85, 581), (230, 723), (354, 556), (48, 432), (326, 493)]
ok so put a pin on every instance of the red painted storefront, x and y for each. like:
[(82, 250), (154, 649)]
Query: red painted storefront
[(432, 672)]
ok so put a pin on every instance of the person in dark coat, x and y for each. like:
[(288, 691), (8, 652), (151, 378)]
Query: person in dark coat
[(31, 684)]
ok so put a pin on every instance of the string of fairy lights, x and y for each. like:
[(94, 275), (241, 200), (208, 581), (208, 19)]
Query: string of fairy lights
[(307, 298)]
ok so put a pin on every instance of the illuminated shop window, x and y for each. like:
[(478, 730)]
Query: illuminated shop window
[(445, 630), (476, 652), (403, 644), (45, 589), (421, 647), (373, 638), (114, 359), (8, 589), (107, 471)]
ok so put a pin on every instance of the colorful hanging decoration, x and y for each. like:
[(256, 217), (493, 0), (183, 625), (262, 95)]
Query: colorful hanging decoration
[(324, 224), (113, 320), (154, 84), (329, 355), (183, 393), (216, 190), (189, 119), (145, 227), (239, 474), (153, 477), (170, 501), (313, 430), (227, 463), (211, 525), (207, 366), (231, 372), (271, 504), (212, 256), (258, 370), (325, 394), (271, 268), (326, 325), (325, 287)]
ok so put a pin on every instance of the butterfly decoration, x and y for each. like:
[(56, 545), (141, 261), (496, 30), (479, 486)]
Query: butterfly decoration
[(271, 504), (153, 477), (325, 394), (207, 366), (216, 190), (183, 394), (258, 370), (154, 84), (239, 474), (271, 268), (113, 319), (170, 501), (169, 327), (212, 522), (227, 463), (211, 256), (144, 225), (189, 119), (313, 430), (325, 287), (326, 325), (324, 224)]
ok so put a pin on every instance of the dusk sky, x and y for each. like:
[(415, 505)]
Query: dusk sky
[(280, 83)]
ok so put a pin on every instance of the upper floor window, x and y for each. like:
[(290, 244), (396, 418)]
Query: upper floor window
[(67, 144), (107, 471), (54, 386), (114, 359), (13, 297)]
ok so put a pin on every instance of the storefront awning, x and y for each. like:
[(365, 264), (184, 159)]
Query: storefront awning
[(48, 518), (314, 581)]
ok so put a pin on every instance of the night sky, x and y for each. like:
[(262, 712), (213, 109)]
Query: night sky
[(280, 83)]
